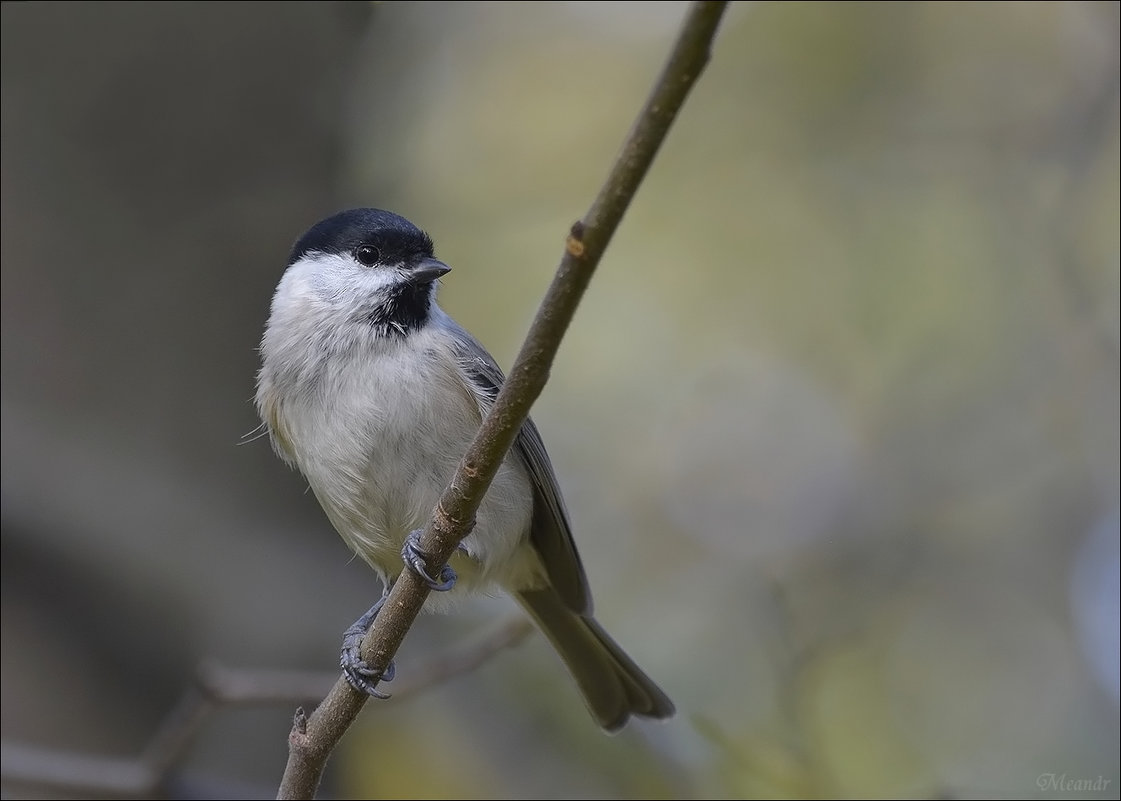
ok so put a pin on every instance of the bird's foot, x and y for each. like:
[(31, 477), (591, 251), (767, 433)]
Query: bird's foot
[(357, 672), (416, 559)]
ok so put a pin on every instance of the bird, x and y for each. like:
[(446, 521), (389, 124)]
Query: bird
[(373, 393)]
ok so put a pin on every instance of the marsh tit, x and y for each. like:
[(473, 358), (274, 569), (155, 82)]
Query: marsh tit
[(374, 393)]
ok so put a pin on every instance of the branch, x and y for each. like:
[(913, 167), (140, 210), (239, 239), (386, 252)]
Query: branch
[(215, 686), (312, 739)]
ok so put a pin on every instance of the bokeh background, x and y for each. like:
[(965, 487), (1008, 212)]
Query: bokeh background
[(837, 421)]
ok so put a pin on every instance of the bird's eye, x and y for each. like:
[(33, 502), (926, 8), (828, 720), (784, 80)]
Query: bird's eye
[(367, 254)]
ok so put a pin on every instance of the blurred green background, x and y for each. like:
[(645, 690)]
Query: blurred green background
[(837, 422)]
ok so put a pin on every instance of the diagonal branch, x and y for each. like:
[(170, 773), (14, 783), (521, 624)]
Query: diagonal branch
[(313, 738)]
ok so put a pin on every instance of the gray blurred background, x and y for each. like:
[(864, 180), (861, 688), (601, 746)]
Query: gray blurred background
[(837, 422)]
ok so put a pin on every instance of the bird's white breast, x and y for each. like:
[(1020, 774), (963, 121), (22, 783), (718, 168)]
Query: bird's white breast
[(377, 425)]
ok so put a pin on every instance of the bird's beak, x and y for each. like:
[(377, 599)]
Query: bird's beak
[(428, 270)]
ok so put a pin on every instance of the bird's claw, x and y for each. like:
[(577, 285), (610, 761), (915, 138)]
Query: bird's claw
[(356, 671), (416, 559)]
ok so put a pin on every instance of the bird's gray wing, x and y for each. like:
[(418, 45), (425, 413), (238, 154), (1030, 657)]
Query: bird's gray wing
[(551, 534)]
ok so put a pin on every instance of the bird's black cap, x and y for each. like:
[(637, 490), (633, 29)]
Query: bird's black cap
[(397, 239)]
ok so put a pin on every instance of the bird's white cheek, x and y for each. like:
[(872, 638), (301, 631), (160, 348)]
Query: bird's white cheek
[(295, 295), (375, 280)]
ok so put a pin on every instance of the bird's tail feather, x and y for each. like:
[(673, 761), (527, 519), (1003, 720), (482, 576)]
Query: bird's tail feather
[(613, 686)]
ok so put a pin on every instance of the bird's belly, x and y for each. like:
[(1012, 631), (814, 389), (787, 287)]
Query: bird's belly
[(397, 435)]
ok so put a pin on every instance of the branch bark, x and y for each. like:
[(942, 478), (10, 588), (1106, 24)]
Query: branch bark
[(313, 738)]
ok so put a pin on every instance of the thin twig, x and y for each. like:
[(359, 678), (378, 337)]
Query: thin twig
[(310, 745), (217, 686)]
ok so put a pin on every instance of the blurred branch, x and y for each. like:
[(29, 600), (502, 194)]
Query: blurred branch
[(313, 738), (1082, 130), (216, 686)]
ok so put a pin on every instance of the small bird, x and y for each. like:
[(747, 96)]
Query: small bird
[(373, 392)]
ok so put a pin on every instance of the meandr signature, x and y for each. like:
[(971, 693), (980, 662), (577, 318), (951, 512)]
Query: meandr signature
[(1062, 783)]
